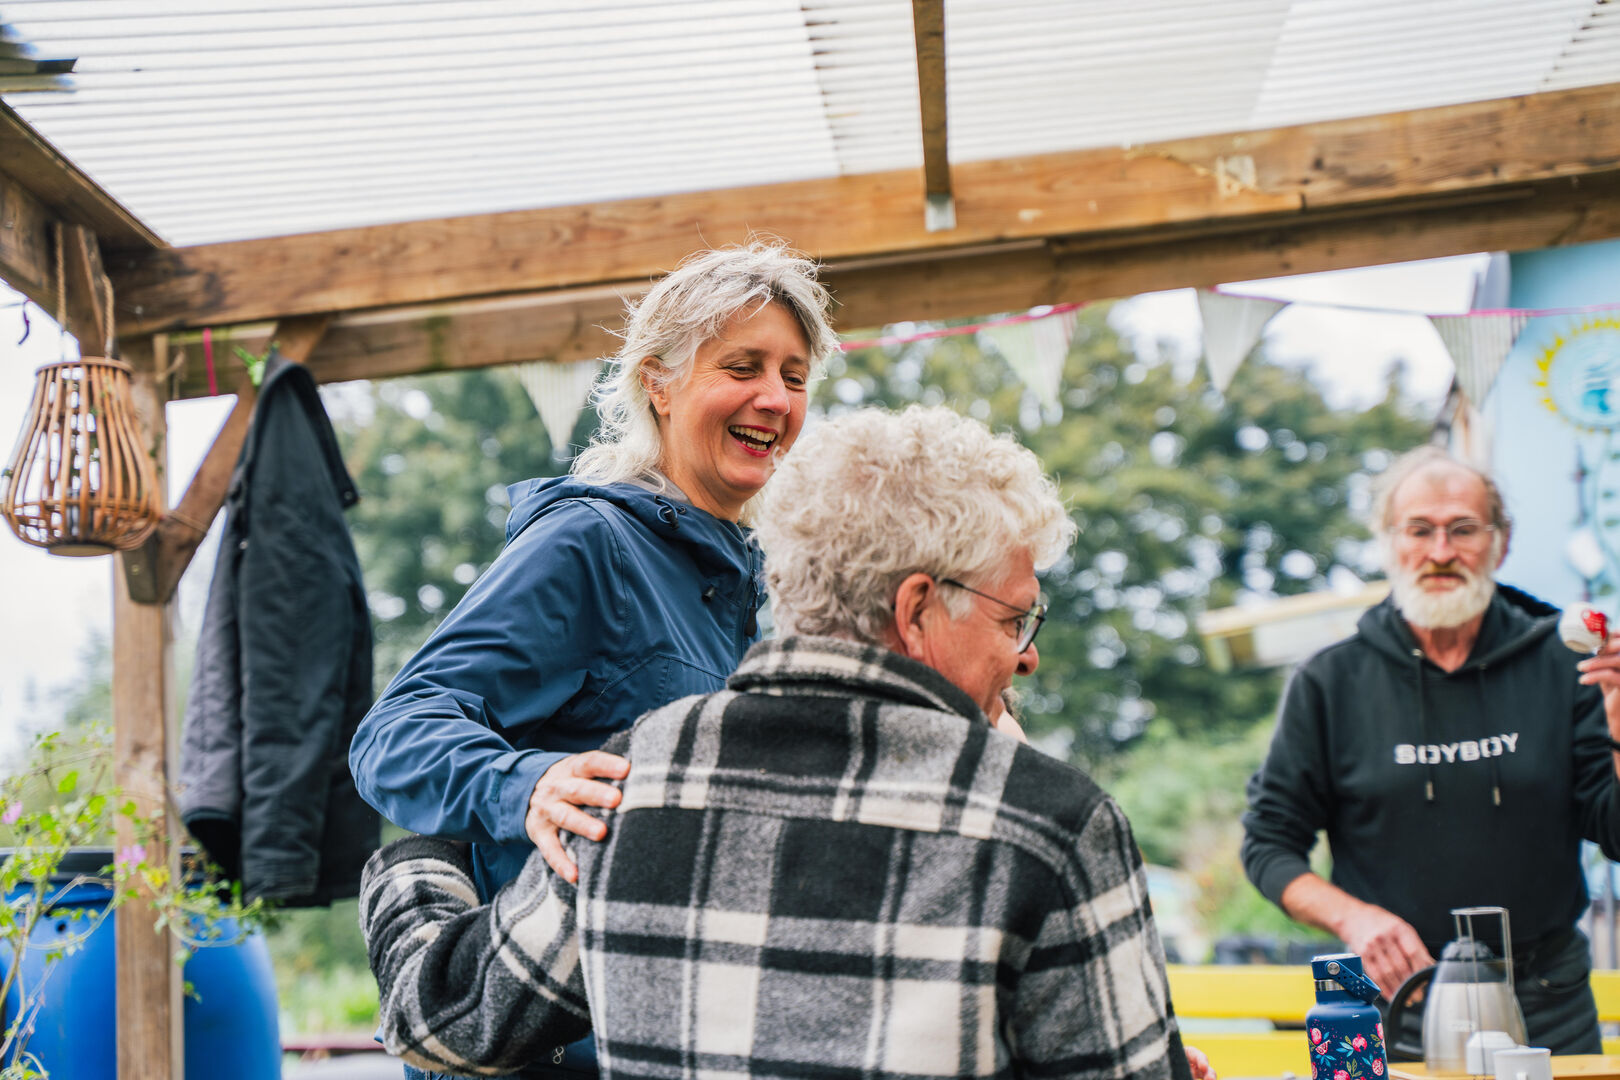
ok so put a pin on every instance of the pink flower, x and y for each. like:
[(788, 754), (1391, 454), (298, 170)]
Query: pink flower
[(1378, 1066), (1340, 1074), (132, 855), (12, 812), (1380, 1029), (1359, 1043), (1321, 1048), (1316, 1036)]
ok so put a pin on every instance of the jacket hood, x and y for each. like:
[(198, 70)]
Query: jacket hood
[(667, 516), (279, 372), (1514, 621)]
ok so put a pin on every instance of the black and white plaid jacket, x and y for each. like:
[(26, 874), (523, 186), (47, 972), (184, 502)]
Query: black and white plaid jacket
[(833, 868)]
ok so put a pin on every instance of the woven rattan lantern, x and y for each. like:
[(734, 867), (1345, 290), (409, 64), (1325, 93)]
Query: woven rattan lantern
[(80, 481)]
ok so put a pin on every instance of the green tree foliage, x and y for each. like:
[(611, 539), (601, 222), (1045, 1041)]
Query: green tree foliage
[(1186, 499), (1184, 795)]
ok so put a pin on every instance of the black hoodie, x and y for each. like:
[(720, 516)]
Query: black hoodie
[(1440, 790)]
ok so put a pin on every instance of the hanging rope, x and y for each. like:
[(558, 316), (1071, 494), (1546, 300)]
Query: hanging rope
[(107, 297), (61, 289)]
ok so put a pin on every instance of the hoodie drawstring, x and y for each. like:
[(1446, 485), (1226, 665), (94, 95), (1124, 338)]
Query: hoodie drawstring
[(1423, 729), (756, 594), (667, 511), (1484, 707)]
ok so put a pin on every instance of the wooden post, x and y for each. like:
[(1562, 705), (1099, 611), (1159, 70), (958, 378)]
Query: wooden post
[(928, 24), (149, 986)]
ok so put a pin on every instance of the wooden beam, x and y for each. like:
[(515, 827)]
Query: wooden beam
[(45, 201), (28, 159), (27, 244), (148, 982), (556, 326), (153, 574), (89, 292), (928, 26), (1343, 163), (29, 235), (1015, 279), (567, 325)]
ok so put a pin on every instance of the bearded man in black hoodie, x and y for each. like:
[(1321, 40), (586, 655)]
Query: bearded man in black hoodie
[(1455, 752)]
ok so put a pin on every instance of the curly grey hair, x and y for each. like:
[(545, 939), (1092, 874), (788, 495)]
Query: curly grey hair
[(872, 496), (688, 307)]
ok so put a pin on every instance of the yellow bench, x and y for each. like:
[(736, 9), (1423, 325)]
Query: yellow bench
[(1282, 994)]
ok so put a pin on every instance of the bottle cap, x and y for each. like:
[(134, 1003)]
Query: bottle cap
[(1342, 971)]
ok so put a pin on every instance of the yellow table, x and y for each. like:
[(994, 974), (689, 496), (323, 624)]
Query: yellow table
[(1583, 1066)]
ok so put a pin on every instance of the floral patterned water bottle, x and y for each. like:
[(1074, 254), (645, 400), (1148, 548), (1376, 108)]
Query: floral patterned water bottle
[(1345, 1027)]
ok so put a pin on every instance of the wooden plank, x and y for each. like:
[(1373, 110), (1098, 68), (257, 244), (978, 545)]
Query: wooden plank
[(569, 325), (153, 575), (1243, 991), (1415, 155), (296, 338), (1239, 1054), (29, 236), (1564, 1067), (928, 25), (150, 1038), (89, 292), (1020, 278), (1606, 990), (560, 326), (31, 161), (27, 249)]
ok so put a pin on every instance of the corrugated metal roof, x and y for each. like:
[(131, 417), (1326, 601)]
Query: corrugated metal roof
[(229, 119)]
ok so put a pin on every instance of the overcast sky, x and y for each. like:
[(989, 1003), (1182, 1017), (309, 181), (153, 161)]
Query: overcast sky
[(53, 605)]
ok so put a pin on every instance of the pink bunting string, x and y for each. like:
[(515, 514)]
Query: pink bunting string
[(1059, 309), (1529, 313), (954, 331)]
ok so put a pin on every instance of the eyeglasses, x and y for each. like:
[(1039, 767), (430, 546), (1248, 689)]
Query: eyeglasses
[(1029, 621), (1464, 534)]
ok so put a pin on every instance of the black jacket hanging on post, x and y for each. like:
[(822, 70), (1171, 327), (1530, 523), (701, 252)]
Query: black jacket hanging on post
[(283, 671)]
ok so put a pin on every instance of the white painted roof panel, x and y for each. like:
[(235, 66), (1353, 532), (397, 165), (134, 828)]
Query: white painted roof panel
[(229, 119)]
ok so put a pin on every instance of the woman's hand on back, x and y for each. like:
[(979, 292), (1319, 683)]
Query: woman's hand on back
[(555, 805)]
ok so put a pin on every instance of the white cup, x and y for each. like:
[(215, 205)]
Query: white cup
[(1482, 1048), (1524, 1063)]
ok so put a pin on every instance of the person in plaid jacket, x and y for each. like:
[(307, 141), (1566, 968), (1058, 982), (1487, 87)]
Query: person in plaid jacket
[(835, 866)]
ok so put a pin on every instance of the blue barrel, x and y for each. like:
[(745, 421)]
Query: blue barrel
[(231, 1026)]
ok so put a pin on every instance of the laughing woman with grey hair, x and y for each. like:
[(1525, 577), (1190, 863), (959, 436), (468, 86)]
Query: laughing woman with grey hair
[(622, 587), (663, 336)]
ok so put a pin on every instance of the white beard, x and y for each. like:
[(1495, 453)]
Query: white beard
[(1441, 610)]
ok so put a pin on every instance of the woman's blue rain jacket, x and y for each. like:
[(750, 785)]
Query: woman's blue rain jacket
[(608, 601)]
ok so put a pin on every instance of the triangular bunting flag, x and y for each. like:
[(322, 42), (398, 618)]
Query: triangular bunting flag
[(1036, 350), (1479, 343), (1232, 326), (559, 393)]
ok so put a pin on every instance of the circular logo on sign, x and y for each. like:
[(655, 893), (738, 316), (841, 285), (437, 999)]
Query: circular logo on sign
[(1580, 372)]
